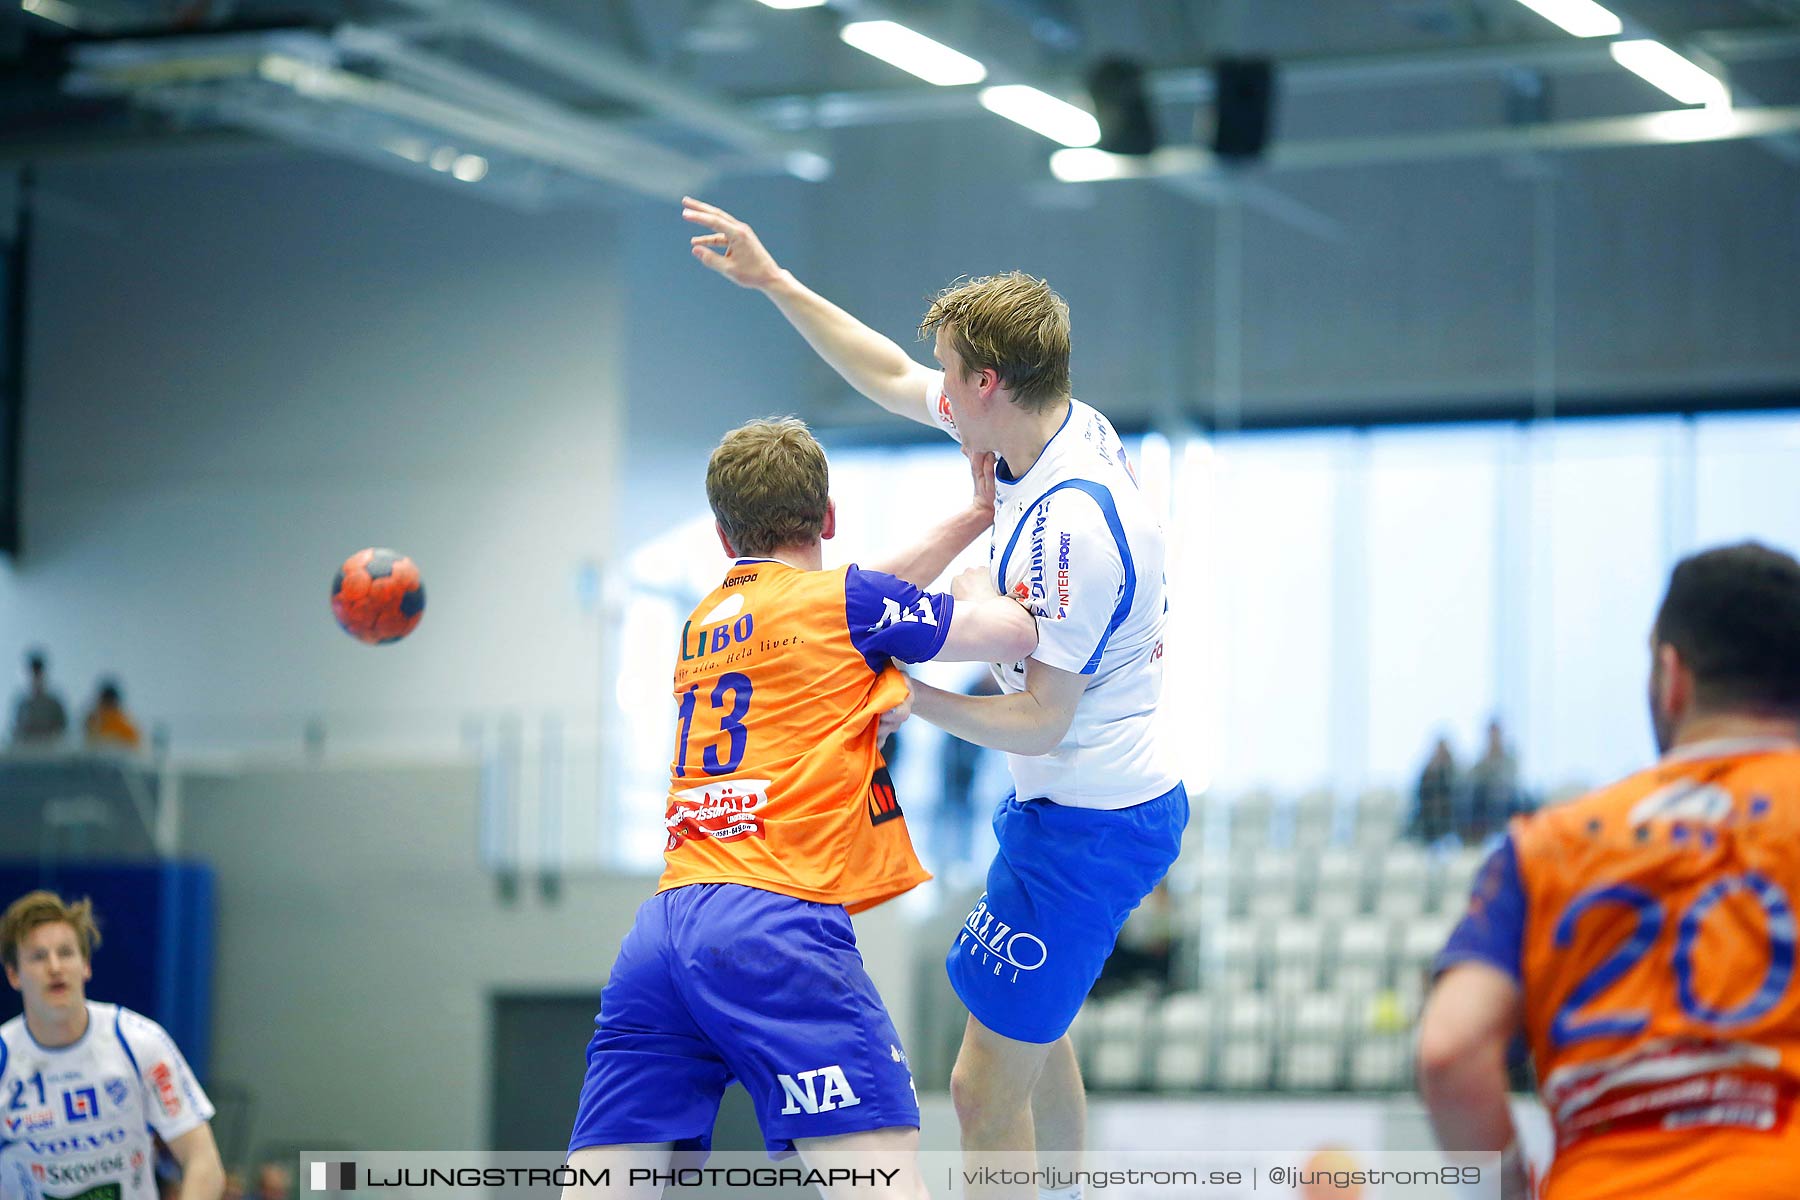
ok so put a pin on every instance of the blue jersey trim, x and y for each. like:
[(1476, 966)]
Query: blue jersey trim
[(1004, 474), (1101, 496), (878, 659), (119, 1032), (1493, 929), (3, 1056)]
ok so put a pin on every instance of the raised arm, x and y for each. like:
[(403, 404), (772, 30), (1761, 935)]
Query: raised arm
[(925, 560), (873, 364)]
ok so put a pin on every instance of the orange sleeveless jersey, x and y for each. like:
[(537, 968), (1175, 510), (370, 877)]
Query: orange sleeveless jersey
[(1657, 959), (777, 782)]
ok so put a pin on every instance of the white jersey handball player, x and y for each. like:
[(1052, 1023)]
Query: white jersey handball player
[(1098, 810), (83, 1084)]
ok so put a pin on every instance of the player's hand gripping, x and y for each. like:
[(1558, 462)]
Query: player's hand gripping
[(981, 469), (732, 248), (894, 717), (973, 584)]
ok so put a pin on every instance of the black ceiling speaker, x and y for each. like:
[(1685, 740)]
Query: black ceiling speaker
[(1243, 107), (1117, 88)]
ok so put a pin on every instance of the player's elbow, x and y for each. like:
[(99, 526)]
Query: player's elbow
[(1452, 1059), (1043, 733), (1016, 632)]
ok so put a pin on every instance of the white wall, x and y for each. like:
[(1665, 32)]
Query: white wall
[(273, 364), (359, 946)]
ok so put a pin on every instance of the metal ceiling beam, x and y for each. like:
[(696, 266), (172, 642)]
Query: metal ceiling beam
[(229, 73), (449, 78), (1299, 75), (611, 73), (118, 144), (1785, 148), (1647, 129)]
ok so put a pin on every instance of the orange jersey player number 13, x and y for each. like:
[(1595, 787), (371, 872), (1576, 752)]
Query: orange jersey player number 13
[(776, 780)]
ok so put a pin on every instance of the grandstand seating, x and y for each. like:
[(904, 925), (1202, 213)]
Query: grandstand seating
[(1304, 947)]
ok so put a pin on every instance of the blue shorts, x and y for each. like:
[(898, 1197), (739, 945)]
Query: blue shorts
[(717, 982), (1059, 891)]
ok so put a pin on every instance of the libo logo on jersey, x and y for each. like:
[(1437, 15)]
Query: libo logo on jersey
[(724, 627)]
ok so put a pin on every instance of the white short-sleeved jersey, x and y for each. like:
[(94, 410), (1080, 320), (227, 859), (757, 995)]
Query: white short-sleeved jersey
[(1075, 540), (75, 1120)]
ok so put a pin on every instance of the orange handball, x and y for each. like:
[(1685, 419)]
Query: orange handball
[(377, 596)]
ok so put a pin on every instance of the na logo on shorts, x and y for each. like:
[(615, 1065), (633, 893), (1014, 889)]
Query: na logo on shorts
[(822, 1090)]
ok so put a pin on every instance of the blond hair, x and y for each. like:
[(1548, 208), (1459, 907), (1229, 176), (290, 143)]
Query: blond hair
[(1012, 324), (34, 909), (769, 485)]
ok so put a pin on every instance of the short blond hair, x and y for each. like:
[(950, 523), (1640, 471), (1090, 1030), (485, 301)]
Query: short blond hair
[(35, 909), (1014, 325), (769, 485)]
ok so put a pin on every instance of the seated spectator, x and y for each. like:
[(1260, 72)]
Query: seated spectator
[(1493, 786), (1436, 795), (274, 1182), (107, 724), (38, 716)]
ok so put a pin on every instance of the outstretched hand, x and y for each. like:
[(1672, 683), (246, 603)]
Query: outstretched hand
[(732, 248)]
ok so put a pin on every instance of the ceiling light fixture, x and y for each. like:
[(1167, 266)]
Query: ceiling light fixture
[(1042, 113), (895, 44), (1674, 74), (1089, 166), (1583, 18)]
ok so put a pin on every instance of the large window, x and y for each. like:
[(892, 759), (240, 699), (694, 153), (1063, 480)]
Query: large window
[(1432, 577), (1337, 600), (1599, 555)]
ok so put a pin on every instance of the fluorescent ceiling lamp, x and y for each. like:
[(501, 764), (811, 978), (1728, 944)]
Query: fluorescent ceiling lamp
[(1088, 166), (1583, 18), (470, 168), (784, 4), (53, 10), (804, 164), (912, 52), (1042, 113), (411, 149), (1695, 124), (1672, 73)]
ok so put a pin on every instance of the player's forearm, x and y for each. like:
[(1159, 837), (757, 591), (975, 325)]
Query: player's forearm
[(870, 362), (1015, 723), (202, 1178), (924, 561), (1464, 1089)]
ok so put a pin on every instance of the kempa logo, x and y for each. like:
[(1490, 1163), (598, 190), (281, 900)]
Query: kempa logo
[(332, 1177), (817, 1091)]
